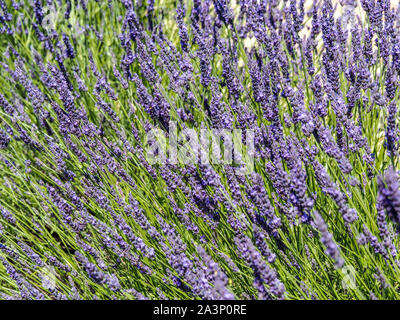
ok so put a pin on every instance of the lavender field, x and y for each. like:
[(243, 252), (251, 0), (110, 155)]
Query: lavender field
[(199, 149)]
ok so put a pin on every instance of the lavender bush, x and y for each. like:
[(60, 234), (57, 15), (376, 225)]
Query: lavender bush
[(272, 174)]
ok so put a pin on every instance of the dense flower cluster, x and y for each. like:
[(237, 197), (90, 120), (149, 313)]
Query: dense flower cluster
[(86, 214)]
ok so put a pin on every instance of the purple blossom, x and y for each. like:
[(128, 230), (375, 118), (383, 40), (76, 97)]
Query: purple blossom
[(389, 194), (326, 238)]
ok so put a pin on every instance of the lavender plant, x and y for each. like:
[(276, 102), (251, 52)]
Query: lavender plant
[(307, 89)]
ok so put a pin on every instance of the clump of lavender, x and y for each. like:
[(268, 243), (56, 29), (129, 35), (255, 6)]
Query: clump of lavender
[(301, 100)]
